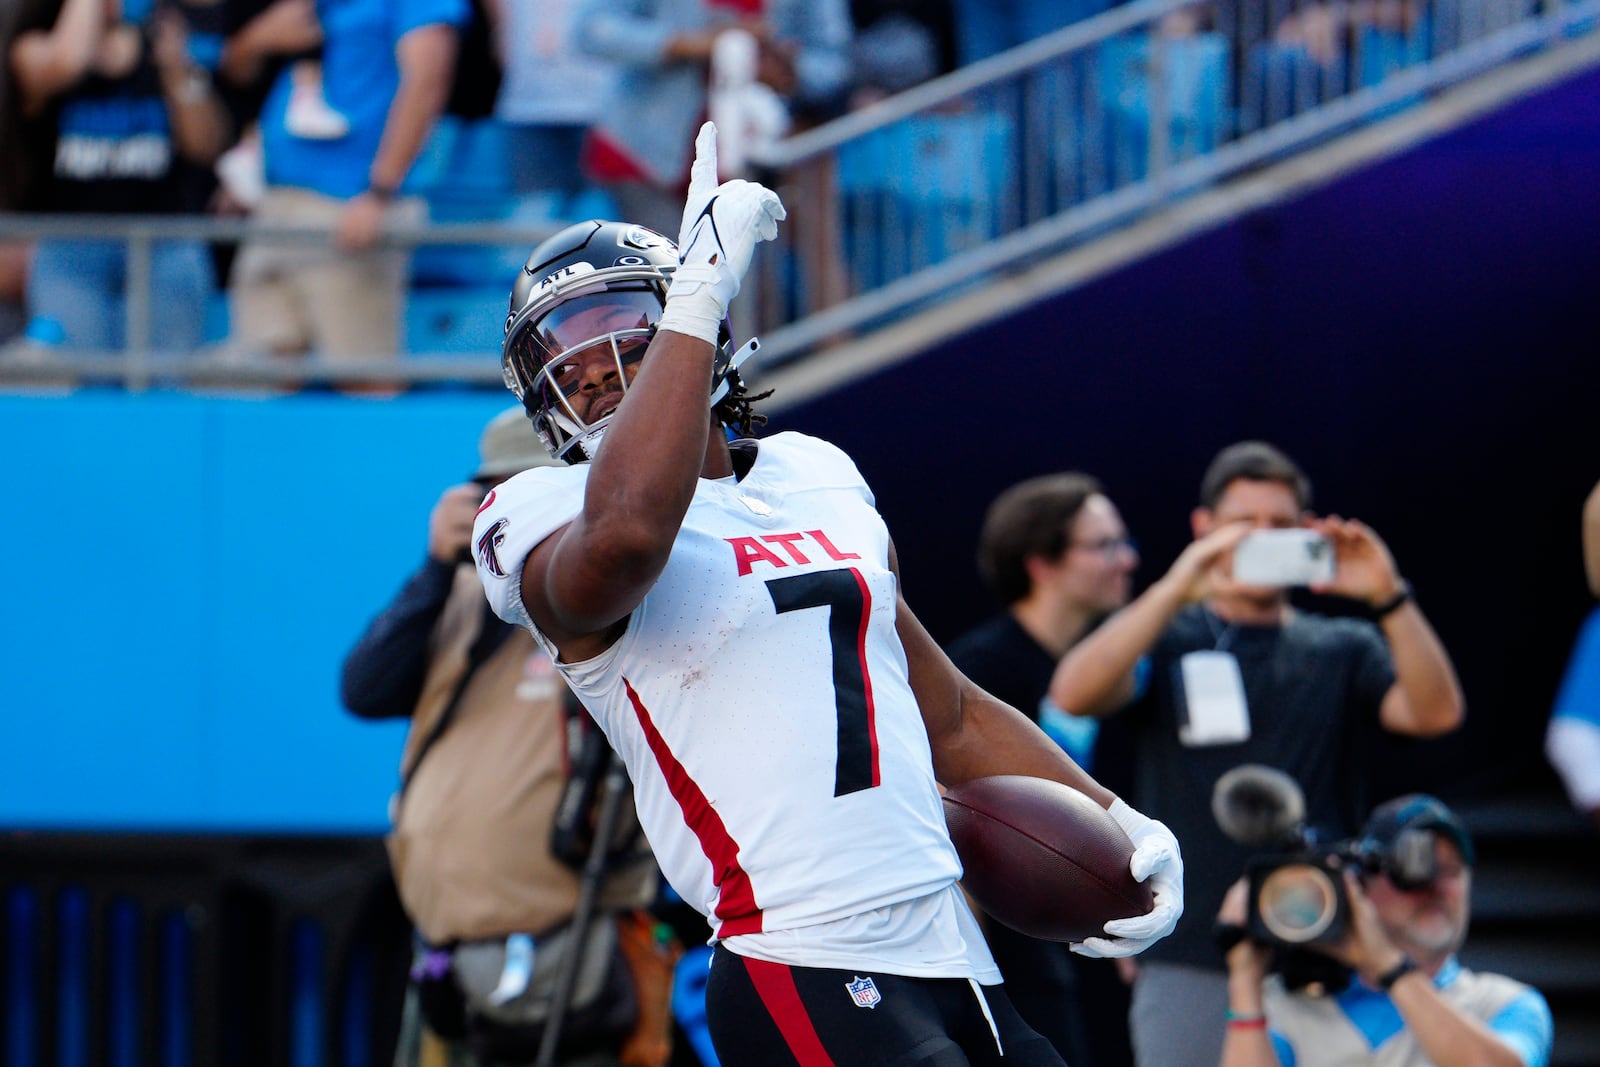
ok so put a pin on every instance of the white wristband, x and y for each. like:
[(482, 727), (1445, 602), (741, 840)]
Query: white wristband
[(695, 313)]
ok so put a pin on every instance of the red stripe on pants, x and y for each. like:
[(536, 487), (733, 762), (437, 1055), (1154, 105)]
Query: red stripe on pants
[(774, 984)]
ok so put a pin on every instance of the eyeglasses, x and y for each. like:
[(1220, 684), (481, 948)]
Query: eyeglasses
[(1107, 546)]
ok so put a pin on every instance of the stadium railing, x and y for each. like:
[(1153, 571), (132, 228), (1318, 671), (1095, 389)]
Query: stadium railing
[(1100, 124)]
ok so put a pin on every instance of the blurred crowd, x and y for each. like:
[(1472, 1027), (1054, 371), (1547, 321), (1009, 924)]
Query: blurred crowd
[(335, 122), (350, 117)]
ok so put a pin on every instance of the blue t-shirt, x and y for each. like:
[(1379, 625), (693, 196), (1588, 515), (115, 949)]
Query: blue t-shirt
[(1579, 697), (360, 73)]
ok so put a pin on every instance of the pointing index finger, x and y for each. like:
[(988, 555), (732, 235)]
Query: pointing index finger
[(703, 175)]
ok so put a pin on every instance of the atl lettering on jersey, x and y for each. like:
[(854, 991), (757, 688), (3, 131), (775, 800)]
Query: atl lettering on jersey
[(748, 551)]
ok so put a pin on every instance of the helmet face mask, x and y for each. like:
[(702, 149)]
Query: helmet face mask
[(584, 308)]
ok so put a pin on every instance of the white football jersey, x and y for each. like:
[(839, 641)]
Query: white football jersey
[(760, 697)]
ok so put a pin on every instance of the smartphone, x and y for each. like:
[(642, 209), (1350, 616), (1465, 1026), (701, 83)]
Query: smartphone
[(1283, 558)]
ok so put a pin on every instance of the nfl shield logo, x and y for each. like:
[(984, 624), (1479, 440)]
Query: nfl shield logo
[(864, 991)]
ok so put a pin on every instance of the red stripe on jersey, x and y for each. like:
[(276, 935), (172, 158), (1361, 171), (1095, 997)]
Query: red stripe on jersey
[(866, 675), (775, 986), (736, 908)]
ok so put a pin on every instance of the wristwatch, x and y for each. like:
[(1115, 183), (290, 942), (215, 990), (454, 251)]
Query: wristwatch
[(1394, 603), (1388, 978)]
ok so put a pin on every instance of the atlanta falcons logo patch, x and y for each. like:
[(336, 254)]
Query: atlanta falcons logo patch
[(492, 539)]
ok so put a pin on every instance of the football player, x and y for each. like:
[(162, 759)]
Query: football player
[(729, 612)]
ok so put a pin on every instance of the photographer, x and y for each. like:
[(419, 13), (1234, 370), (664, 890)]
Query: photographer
[(480, 858), (1210, 672), (1410, 1003)]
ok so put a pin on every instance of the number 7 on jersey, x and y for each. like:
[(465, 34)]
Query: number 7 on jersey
[(845, 594)]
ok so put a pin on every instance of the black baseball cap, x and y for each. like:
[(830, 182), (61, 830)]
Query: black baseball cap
[(1418, 811)]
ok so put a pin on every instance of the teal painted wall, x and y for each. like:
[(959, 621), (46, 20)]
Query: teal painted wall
[(181, 578)]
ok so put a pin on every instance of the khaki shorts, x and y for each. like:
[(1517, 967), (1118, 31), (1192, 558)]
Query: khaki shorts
[(291, 299)]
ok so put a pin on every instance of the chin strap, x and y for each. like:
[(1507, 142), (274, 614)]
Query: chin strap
[(744, 353)]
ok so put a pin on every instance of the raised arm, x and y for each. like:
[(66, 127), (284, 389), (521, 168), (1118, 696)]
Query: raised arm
[(1095, 678), (593, 572), (583, 579), (201, 127), (283, 28), (46, 63), (1425, 700), (427, 60)]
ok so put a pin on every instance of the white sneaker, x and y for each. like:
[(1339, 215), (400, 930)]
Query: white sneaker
[(310, 117)]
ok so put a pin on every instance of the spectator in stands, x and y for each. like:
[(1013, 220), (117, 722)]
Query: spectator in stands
[(1056, 554), (1572, 740), (897, 45), (387, 68), (26, 140), (1214, 673), (551, 95), (13, 289), (1410, 1002), (988, 27), (246, 71), (475, 842), (127, 105), (638, 150)]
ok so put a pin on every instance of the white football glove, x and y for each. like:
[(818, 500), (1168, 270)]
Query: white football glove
[(1156, 857), (722, 224)]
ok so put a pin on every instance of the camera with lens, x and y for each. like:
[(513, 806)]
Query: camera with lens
[(1297, 893)]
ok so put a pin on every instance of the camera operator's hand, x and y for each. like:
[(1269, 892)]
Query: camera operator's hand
[(450, 524), (1155, 857), (722, 224), (1247, 960), (1364, 568), (1201, 569), (1366, 947)]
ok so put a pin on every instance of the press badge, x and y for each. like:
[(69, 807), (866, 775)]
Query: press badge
[(1214, 710)]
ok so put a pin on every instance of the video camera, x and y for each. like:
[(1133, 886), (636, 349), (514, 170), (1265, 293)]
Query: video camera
[(1297, 893)]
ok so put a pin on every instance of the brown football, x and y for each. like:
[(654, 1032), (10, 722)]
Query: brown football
[(1042, 857)]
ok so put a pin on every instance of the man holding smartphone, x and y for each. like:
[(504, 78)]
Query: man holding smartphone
[(1213, 672)]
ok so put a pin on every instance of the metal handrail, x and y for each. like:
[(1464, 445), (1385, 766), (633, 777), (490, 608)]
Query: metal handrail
[(17, 226), (948, 88), (1166, 175), (785, 344), (137, 367)]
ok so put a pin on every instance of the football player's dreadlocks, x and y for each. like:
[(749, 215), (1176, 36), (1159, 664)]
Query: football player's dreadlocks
[(736, 411)]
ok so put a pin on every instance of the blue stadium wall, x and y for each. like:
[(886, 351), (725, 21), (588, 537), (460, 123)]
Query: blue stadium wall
[(182, 578), (1422, 336)]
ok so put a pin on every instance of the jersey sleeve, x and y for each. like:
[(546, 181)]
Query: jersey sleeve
[(517, 515), (1526, 1025)]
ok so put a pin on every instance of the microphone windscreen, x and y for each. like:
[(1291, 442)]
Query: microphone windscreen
[(1258, 806)]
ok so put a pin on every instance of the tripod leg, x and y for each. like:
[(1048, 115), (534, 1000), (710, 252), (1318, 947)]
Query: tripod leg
[(594, 873)]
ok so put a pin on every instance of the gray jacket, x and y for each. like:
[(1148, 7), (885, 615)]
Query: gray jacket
[(659, 105)]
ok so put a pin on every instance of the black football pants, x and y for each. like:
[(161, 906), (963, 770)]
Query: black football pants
[(766, 1015)]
